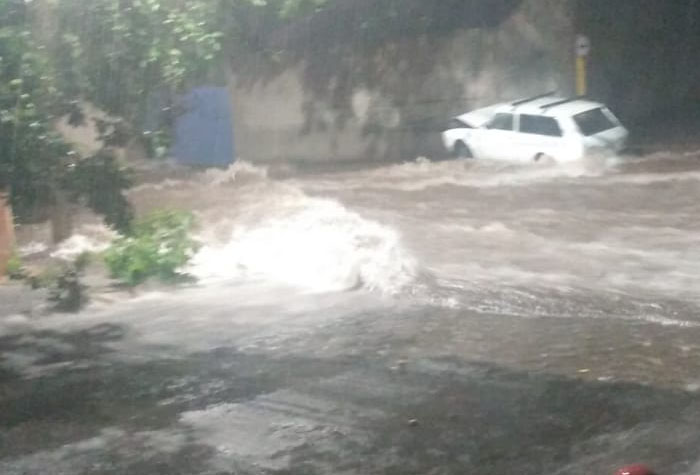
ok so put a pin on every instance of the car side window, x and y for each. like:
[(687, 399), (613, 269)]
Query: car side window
[(539, 125), (501, 121)]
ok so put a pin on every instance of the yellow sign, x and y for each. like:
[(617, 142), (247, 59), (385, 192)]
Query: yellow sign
[(581, 86), (583, 49)]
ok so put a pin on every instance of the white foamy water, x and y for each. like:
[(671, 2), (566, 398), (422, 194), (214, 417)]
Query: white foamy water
[(93, 238), (253, 228), (423, 174), (321, 246)]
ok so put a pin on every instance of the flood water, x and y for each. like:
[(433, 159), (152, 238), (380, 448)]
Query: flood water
[(605, 253), (576, 284)]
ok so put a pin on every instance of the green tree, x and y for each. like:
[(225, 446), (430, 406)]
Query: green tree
[(127, 56), (123, 56), (32, 155), (114, 53)]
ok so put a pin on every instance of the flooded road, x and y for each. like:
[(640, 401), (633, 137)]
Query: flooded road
[(625, 229), (599, 244), (421, 318)]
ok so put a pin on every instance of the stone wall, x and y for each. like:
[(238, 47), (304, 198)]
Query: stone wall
[(389, 102)]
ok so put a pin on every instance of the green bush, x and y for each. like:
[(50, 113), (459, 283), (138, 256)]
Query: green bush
[(15, 267), (157, 246)]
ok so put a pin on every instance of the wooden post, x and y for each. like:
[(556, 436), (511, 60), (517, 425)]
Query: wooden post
[(7, 233), (61, 218)]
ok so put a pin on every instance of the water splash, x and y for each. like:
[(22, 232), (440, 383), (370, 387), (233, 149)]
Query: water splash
[(320, 247), (255, 228)]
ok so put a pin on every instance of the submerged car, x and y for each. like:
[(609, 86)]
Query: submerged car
[(544, 126)]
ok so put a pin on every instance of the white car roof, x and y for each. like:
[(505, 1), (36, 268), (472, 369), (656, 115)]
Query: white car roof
[(568, 108), (479, 117)]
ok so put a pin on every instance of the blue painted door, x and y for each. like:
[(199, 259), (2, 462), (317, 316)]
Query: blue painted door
[(203, 132)]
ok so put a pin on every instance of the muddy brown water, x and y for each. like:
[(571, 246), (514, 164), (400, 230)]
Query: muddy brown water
[(427, 317)]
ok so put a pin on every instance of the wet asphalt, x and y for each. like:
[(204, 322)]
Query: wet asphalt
[(412, 393)]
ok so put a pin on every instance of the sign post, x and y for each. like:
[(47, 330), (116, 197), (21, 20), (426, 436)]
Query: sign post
[(583, 49)]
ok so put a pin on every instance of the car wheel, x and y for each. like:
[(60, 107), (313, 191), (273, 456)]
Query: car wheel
[(462, 150)]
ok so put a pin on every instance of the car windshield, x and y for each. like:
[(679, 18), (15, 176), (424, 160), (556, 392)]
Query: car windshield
[(593, 122)]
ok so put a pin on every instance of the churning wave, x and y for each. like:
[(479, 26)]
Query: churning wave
[(423, 174), (256, 228)]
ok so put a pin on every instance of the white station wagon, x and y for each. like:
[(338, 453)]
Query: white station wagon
[(538, 127)]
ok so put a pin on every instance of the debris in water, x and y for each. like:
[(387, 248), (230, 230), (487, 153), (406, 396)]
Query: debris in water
[(637, 469)]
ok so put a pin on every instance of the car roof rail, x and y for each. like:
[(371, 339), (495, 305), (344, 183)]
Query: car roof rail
[(533, 98), (561, 102)]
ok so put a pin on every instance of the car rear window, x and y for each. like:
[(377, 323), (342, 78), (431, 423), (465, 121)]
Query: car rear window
[(540, 125), (593, 121)]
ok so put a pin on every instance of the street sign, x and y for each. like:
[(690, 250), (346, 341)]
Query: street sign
[(583, 46)]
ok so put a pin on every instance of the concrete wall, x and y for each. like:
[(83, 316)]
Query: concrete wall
[(644, 60), (389, 103)]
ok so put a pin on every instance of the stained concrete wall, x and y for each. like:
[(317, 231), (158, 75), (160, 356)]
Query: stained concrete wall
[(644, 60), (390, 102)]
